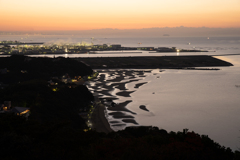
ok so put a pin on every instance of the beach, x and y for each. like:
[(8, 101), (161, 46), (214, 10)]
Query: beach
[(99, 121)]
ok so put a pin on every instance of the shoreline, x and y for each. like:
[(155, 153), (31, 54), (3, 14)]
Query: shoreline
[(99, 121)]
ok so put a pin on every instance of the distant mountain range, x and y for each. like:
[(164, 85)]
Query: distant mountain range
[(145, 32)]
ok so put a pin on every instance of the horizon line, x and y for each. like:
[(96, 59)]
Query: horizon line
[(32, 30)]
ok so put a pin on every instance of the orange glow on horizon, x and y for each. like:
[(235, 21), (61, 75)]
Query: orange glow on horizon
[(59, 15)]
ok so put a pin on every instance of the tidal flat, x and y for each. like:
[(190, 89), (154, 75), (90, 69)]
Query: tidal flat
[(113, 86)]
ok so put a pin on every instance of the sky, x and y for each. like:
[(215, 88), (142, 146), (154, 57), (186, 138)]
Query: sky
[(22, 15)]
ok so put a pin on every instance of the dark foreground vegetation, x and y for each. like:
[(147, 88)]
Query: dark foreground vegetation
[(54, 130), (49, 106), (21, 139), (26, 84), (23, 68)]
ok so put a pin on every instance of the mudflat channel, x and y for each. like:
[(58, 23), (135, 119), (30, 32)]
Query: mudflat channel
[(117, 86), (153, 62)]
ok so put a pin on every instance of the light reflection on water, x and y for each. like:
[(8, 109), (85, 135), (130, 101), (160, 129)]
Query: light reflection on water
[(235, 60)]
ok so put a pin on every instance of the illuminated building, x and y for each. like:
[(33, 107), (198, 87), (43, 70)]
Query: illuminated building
[(21, 111)]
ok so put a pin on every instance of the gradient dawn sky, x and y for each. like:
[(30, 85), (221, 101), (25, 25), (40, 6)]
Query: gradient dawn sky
[(122, 14)]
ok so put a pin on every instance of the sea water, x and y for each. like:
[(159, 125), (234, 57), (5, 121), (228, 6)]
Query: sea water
[(207, 102), (204, 101)]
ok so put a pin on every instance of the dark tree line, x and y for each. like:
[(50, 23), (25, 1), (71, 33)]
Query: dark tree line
[(21, 139), (28, 87), (40, 68)]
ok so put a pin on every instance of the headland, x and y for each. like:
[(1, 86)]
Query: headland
[(152, 62)]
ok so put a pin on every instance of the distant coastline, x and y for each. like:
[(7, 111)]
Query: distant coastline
[(34, 48)]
